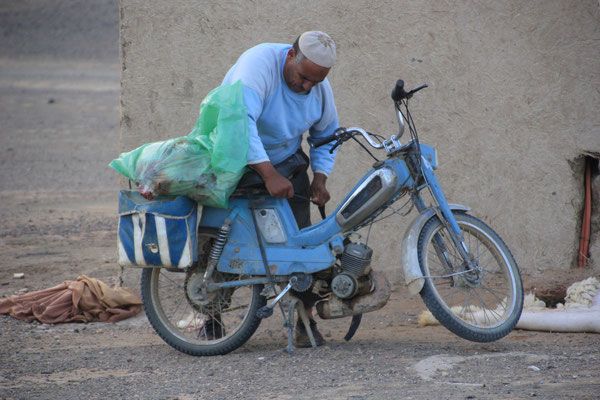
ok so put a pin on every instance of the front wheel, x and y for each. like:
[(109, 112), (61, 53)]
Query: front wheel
[(195, 322), (481, 304)]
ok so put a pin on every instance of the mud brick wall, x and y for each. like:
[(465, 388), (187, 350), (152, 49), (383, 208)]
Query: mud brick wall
[(512, 104)]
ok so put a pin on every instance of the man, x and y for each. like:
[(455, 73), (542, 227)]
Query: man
[(286, 93)]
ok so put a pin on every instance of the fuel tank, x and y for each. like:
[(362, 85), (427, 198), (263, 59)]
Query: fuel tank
[(371, 194)]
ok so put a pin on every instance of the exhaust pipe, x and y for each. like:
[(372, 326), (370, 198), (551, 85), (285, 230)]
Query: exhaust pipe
[(334, 307)]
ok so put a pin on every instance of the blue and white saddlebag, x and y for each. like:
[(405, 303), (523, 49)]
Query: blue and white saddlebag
[(160, 232)]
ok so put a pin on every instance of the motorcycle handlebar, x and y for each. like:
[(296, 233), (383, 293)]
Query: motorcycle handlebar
[(314, 143), (339, 134), (366, 135), (399, 93)]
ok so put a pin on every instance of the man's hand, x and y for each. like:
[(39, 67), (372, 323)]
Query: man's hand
[(318, 192), (277, 185)]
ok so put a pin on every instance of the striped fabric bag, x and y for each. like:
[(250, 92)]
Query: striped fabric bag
[(160, 232)]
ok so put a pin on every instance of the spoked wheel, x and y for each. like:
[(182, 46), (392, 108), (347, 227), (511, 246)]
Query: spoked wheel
[(481, 304), (196, 322)]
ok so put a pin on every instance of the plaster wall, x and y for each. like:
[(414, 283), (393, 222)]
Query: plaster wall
[(512, 105)]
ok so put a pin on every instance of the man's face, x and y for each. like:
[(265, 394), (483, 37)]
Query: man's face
[(301, 77)]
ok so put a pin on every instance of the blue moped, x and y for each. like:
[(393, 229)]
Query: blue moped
[(249, 256)]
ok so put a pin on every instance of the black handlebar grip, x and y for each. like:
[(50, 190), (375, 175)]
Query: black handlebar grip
[(398, 93), (320, 142)]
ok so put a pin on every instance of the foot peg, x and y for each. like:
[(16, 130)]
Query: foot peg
[(267, 311), (264, 312)]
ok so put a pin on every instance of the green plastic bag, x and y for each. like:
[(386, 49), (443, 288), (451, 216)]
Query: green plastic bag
[(205, 165)]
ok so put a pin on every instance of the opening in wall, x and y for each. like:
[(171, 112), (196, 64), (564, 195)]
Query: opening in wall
[(589, 246)]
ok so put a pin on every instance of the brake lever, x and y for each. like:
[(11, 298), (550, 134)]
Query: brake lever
[(345, 136), (337, 143)]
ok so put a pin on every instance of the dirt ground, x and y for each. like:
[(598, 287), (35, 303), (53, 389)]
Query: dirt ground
[(59, 114)]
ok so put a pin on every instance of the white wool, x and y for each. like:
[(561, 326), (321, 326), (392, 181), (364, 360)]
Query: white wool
[(581, 312), (581, 294), (530, 301), (426, 318), (472, 314), (192, 321)]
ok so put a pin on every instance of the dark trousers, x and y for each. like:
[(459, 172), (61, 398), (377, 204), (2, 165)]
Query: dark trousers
[(300, 205)]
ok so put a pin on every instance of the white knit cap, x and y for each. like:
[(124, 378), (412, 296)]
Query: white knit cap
[(318, 47)]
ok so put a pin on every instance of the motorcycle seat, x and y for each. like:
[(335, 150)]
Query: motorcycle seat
[(290, 167)]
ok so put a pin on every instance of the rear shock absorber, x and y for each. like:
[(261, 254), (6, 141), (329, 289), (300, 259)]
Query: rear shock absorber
[(217, 248), (219, 244)]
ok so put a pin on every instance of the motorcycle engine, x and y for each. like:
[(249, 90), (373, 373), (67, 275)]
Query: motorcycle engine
[(353, 280)]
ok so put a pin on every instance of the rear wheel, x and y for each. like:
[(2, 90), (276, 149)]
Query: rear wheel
[(197, 323), (483, 304)]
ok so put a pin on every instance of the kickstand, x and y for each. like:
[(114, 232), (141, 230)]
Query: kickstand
[(298, 305)]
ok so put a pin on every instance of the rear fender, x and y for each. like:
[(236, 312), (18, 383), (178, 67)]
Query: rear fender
[(409, 257)]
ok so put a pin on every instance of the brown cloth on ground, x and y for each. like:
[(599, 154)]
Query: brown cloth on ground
[(84, 300)]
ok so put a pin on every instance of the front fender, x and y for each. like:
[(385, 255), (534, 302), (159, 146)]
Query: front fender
[(409, 257)]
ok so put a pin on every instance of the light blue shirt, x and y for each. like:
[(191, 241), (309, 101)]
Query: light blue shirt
[(278, 117)]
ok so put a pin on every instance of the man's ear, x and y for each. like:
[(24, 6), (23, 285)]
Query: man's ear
[(291, 55)]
